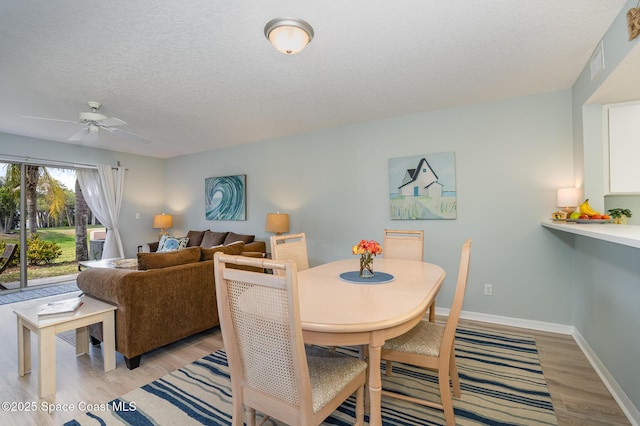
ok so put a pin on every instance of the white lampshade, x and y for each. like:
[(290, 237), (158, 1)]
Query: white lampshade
[(288, 35), (568, 197)]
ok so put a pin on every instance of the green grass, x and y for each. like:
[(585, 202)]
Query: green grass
[(65, 264)]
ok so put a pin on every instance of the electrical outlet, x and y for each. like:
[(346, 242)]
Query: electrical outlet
[(137, 215), (488, 290)]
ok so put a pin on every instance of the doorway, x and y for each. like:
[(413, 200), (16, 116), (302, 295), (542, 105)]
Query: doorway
[(46, 218)]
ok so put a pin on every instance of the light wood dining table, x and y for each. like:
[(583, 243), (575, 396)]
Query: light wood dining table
[(334, 312)]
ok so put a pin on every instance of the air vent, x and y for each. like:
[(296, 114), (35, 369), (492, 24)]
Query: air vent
[(597, 61)]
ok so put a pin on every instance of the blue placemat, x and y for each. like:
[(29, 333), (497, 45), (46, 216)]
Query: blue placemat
[(378, 278)]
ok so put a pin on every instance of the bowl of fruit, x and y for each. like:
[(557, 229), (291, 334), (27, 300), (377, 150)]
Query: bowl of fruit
[(586, 214)]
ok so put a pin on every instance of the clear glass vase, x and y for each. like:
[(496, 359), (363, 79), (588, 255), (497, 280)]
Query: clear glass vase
[(366, 265)]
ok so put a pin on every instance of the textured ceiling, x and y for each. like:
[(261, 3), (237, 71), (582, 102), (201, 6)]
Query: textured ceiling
[(198, 75)]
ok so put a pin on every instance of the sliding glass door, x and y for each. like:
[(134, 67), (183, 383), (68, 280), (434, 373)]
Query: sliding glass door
[(10, 275), (42, 209)]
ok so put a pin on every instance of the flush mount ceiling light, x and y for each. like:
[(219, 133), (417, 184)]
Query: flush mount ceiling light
[(288, 35)]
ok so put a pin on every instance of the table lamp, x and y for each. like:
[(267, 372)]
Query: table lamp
[(568, 199), (277, 222), (162, 221)]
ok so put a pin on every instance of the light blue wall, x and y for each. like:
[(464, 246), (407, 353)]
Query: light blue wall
[(607, 276), (606, 313), (588, 117), (510, 157), (144, 181)]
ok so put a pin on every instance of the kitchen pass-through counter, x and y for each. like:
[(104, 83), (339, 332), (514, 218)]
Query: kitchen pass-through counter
[(628, 235)]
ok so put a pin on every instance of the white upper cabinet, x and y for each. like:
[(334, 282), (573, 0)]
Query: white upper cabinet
[(623, 148)]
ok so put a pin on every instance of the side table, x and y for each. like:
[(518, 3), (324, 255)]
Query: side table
[(91, 311), (116, 262)]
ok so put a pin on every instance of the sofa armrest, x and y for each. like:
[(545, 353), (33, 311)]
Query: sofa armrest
[(103, 284), (260, 246), (256, 254), (150, 247)]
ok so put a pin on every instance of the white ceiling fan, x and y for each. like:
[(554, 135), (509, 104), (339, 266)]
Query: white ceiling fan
[(94, 121)]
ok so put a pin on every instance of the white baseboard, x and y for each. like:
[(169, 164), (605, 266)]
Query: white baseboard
[(617, 392), (626, 405), (513, 322)]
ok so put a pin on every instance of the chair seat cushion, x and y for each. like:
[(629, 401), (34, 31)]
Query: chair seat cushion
[(423, 339), (329, 373)]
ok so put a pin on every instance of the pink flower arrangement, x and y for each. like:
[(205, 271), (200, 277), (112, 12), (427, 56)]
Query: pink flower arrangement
[(366, 250), (372, 247)]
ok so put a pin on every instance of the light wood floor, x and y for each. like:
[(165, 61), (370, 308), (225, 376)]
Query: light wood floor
[(579, 397)]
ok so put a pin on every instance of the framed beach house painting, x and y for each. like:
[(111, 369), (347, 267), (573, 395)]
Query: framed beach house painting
[(423, 187), (225, 198)]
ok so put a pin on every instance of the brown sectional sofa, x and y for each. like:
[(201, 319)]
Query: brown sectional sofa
[(171, 296), (213, 238)]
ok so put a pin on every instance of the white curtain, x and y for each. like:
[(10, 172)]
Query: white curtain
[(102, 189)]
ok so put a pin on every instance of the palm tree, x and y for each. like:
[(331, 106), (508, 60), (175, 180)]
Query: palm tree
[(37, 178), (81, 218), (8, 209)]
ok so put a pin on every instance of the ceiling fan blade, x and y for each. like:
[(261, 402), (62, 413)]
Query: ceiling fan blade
[(79, 135), (49, 119), (112, 121), (135, 137)]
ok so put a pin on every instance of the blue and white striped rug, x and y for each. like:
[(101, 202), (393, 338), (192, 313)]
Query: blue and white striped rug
[(501, 379)]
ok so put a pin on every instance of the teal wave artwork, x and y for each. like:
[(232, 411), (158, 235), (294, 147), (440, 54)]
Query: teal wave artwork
[(225, 198)]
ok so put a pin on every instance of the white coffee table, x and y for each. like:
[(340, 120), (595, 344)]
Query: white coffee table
[(116, 262), (91, 311), (102, 263)]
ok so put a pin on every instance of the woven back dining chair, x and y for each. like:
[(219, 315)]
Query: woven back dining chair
[(431, 345), (291, 247), (271, 369), (408, 245), (399, 244)]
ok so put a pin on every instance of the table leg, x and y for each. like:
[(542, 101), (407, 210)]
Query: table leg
[(24, 348), (432, 311), (82, 340), (109, 341), (46, 362), (375, 386)]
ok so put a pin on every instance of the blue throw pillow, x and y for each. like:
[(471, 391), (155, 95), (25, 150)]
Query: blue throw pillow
[(168, 243)]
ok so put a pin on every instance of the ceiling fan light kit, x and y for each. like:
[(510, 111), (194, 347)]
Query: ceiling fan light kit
[(87, 117), (95, 121), (289, 35)]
